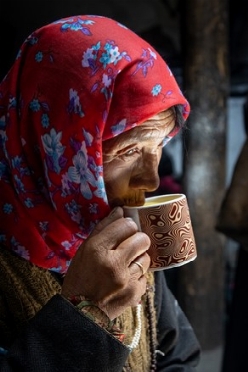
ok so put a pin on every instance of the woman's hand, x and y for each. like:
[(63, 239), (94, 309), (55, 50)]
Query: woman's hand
[(103, 268)]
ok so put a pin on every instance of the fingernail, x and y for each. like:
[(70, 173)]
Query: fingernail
[(113, 211), (129, 218)]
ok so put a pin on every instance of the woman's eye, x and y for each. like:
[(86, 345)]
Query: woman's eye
[(130, 152)]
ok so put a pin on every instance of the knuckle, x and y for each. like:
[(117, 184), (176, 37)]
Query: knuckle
[(130, 224), (144, 239), (116, 274)]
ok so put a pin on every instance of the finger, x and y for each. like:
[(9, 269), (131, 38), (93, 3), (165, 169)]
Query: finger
[(140, 265), (112, 235), (115, 214), (133, 247)]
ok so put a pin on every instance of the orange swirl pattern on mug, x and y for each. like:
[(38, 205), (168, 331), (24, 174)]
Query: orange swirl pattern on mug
[(172, 238)]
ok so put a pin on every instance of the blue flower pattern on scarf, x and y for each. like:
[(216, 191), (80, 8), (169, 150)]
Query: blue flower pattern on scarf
[(74, 162)]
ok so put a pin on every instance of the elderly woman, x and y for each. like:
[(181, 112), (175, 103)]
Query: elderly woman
[(85, 112)]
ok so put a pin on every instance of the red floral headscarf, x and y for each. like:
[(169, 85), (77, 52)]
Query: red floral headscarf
[(75, 83)]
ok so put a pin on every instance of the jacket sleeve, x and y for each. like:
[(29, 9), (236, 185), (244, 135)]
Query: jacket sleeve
[(178, 349), (60, 338)]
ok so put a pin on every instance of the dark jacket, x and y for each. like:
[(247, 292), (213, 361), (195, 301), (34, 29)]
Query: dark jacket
[(60, 338)]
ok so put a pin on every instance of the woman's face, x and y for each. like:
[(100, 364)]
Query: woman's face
[(130, 160)]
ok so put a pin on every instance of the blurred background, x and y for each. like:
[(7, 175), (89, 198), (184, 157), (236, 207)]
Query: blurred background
[(205, 43)]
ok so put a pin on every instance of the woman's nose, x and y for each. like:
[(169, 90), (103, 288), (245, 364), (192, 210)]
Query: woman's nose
[(146, 177)]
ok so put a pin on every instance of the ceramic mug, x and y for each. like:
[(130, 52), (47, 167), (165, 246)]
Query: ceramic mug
[(166, 220)]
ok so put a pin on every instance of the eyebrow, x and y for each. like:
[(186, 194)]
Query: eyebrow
[(150, 134), (144, 137), (131, 141)]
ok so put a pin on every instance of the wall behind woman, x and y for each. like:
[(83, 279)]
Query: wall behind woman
[(18, 19)]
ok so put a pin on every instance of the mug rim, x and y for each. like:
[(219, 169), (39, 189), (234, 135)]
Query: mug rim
[(159, 198)]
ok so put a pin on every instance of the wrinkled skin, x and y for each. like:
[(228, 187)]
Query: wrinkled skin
[(103, 268)]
